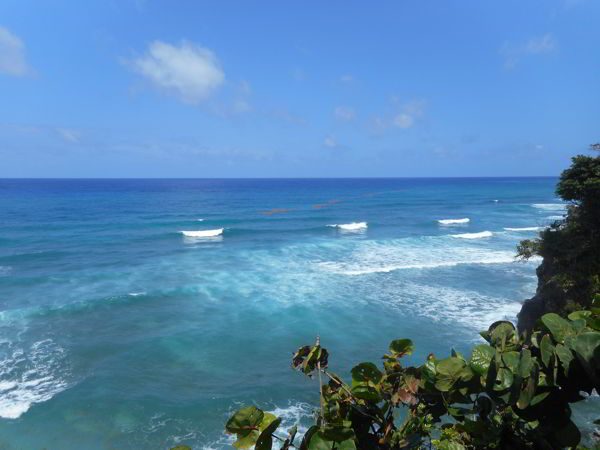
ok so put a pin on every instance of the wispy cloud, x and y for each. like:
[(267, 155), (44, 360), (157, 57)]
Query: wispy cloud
[(406, 116), (330, 142), (189, 71), (344, 113), (69, 135), (12, 54), (346, 79), (538, 45)]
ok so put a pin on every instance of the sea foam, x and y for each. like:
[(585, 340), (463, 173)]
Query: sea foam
[(203, 233), (453, 221), (523, 229), (550, 206), (354, 226), (30, 376), (424, 253), (480, 235)]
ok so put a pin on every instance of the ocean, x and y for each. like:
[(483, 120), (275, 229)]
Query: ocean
[(118, 331)]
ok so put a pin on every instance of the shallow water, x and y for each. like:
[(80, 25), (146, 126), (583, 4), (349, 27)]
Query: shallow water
[(118, 331)]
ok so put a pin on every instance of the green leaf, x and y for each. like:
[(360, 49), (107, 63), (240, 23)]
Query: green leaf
[(504, 379), (576, 315), (448, 372), (246, 441), (318, 441), (365, 392), (245, 420), (481, 357), (268, 427), (511, 360), (558, 327), (366, 372), (565, 356), (501, 332), (401, 347), (547, 350), (525, 363), (587, 346)]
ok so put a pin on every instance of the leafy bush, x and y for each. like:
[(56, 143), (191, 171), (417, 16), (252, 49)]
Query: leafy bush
[(510, 393), (569, 275)]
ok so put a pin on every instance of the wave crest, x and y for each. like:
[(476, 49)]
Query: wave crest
[(453, 221), (203, 233), (480, 235), (353, 226)]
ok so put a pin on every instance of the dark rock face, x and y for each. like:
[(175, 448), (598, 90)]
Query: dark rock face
[(549, 297)]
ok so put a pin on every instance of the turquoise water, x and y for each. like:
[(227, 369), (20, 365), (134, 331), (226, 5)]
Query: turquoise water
[(119, 332)]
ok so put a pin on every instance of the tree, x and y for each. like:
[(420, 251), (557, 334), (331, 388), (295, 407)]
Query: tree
[(569, 275)]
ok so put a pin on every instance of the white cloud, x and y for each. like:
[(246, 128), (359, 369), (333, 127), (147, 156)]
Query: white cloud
[(330, 142), (403, 121), (344, 113), (538, 45), (69, 135), (347, 78), (12, 54), (189, 71)]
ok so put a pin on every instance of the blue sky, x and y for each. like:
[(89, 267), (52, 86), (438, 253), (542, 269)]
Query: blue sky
[(296, 89)]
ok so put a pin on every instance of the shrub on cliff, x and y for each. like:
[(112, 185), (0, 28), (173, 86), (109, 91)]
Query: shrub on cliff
[(569, 275)]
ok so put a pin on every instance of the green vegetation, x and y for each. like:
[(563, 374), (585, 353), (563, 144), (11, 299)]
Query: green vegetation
[(510, 393), (569, 275)]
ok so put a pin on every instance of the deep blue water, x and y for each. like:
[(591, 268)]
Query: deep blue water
[(118, 332)]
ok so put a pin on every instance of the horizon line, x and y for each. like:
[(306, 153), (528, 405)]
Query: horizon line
[(283, 178)]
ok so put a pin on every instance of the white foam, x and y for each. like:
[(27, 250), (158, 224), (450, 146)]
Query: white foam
[(413, 254), (200, 220), (523, 229), (470, 309), (453, 221), (555, 217), (203, 233), (4, 270), (136, 294), (30, 376), (550, 206), (480, 235), (354, 226)]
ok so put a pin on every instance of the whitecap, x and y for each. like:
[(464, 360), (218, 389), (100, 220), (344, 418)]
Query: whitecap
[(555, 217), (30, 376), (550, 206), (353, 226), (200, 220), (203, 233), (453, 221), (482, 234), (523, 229), (4, 270), (136, 294)]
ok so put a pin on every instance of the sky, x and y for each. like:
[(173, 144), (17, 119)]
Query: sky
[(149, 88)]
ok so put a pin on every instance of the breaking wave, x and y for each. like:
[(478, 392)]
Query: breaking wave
[(203, 233), (482, 234), (453, 221), (550, 206), (354, 226)]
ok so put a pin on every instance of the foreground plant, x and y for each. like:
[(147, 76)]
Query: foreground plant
[(513, 392)]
